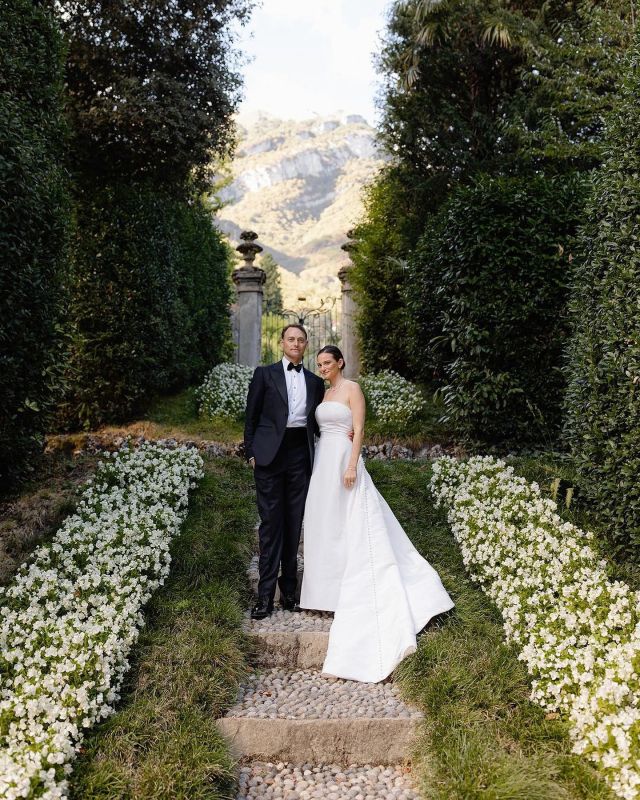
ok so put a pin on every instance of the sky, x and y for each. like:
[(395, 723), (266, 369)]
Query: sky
[(312, 57)]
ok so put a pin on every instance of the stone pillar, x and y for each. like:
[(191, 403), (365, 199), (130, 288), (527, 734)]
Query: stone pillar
[(249, 281), (348, 338)]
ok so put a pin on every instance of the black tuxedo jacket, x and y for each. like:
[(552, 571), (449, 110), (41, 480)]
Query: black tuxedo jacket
[(268, 410)]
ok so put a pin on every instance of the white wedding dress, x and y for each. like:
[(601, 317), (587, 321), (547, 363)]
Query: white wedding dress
[(360, 564)]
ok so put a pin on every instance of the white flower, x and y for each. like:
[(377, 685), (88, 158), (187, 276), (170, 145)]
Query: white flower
[(391, 397), (73, 612), (578, 632), (224, 391)]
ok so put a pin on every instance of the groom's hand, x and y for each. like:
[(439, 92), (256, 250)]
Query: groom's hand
[(252, 462), (350, 435)]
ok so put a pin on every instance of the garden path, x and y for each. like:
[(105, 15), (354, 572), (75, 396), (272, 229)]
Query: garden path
[(300, 735)]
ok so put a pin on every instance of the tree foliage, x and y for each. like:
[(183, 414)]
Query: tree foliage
[(272, 297), (390, 225), (148, 301), (555, 120), (33, 218), (445, 124), (469, 88), (151, 85), (489, 285), (603, 406)]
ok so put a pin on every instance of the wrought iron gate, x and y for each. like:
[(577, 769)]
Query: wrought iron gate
[(321, 324)]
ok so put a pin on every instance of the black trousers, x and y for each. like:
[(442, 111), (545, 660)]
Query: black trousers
[(281, 490)]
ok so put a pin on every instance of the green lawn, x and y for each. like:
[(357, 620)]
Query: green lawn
[(163, 743), (178, 415), (482, 739)]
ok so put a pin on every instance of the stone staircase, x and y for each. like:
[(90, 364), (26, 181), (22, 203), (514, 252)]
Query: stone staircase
[(302, 736)]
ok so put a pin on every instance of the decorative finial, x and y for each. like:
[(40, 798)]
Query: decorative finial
[(248, 248)]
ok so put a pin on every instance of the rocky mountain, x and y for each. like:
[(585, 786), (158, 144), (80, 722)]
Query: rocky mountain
[(298, 185)]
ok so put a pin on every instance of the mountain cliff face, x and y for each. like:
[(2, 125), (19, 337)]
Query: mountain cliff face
[(298, 185)]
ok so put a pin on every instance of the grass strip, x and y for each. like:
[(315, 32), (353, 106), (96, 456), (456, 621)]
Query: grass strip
[(163, 741), (482, 738), (178, 415)]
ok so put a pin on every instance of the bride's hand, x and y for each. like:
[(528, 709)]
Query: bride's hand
[(349, 477)]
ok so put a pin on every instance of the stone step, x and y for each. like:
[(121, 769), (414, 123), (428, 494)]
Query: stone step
[(302, 716), (341, 741), (327, 781), (296, 640), (300, 650)]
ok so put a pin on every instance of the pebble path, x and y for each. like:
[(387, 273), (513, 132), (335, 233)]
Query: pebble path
[(283, 621), (326, 782), (305, 694)]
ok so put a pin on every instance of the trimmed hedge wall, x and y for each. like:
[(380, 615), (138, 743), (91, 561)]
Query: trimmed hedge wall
[(392, 225), (149, 293), (487, 306), (603, 397), (33, 215)]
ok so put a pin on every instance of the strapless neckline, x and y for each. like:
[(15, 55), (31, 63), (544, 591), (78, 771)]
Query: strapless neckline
[(336, 403)]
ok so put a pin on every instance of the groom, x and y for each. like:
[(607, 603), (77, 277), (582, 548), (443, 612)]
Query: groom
[(279, 444)]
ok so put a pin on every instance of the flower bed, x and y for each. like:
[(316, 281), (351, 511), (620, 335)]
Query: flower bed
[(392, 398), (224, 391), (74, 611), (578, 631)]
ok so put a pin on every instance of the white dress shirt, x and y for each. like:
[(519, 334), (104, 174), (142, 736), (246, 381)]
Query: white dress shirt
[(297, 396)]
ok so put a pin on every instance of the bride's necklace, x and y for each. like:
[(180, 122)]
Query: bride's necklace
[(337, 386)]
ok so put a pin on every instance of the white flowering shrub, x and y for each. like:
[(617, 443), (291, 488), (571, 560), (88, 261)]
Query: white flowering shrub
[(578, 631), (72, 614), (392, 398), (224, 391)]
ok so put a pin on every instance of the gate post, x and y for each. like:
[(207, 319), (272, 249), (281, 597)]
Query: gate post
[(348, 339), (249, 281)]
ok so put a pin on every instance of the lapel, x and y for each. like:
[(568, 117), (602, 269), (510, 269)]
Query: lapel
[(308, 379), (277, 371)]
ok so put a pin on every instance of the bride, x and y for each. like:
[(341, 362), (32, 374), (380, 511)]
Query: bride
[(358, 561)]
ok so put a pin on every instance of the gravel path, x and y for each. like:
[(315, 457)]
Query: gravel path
[(290, 622), (304, 694), (324, 782)]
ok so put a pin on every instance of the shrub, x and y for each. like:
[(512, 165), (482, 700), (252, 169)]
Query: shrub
[(224, 391), (149, 295), (577, 631), (391, 398), (603, 405), (33, 218), (487, 299)]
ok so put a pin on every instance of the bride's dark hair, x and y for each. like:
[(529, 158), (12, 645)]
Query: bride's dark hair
[(334, 351)]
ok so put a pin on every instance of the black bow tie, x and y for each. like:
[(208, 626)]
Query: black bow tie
[(291, 365)]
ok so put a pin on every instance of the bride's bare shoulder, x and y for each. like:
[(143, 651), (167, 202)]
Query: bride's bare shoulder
[(353, 387)]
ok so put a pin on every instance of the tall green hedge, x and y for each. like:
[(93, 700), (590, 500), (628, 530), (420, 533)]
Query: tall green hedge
[(603, 397), (487, 300), (33, 214), (148, 300), (391, 226)]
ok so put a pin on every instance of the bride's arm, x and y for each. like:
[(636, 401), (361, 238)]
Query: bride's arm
[(358, 410)]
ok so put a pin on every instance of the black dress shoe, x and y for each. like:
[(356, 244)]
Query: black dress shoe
[(262, 608), (288, 603)]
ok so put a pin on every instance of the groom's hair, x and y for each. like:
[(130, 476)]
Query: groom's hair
[(293, 325)]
